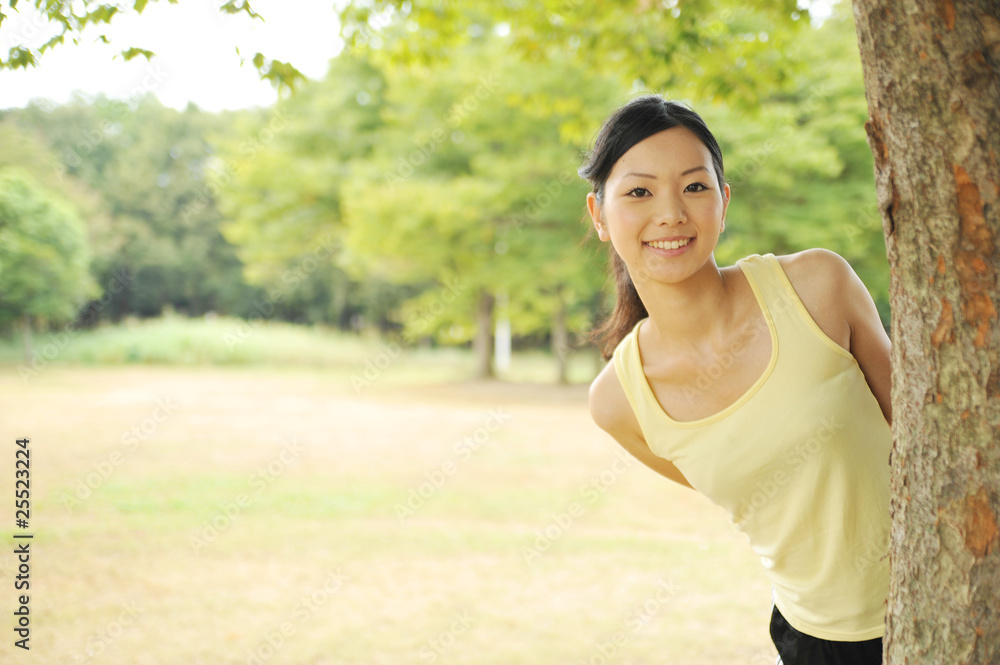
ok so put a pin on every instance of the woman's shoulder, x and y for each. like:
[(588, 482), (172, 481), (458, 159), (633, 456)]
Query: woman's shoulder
[(827, 286), (841, 305), (611, 410), (816, 263), (610, 407), (608, 404), (808, 264), (818, 275), (813, 273)]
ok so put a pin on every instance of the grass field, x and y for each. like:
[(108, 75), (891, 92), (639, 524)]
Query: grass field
[(255, 514)]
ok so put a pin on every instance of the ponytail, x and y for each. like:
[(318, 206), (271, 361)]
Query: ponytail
[(628, 311)]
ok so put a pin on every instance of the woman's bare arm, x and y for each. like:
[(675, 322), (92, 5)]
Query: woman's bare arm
[(840, 304), (610, 409)]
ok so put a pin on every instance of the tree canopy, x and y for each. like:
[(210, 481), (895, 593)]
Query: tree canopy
[(427, 186), (43, 253)]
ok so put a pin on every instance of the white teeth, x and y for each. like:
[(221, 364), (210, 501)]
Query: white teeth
[(671, 244)]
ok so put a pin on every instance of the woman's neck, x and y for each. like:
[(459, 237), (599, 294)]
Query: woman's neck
[(688, 313)]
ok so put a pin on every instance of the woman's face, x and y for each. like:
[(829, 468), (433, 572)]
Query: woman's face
[(663, 207)]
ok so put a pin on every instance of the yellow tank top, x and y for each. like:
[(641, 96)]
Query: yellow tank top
[(800, 461)]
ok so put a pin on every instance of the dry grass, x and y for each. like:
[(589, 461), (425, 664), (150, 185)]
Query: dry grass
[(135, 574)]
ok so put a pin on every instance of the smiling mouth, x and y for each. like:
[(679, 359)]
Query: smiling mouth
[(669, 244)]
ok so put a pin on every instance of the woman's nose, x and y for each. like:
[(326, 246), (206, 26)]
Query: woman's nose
[(669, 210)]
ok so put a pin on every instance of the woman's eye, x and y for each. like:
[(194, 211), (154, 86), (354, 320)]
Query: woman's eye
[(638, 192), (695, 187)]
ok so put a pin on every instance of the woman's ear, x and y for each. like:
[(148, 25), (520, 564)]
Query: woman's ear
[(597, 216), (725, 205)]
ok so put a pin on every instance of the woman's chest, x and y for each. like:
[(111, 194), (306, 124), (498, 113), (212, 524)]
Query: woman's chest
[(696, 386)]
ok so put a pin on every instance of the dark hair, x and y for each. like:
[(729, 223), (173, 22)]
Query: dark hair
[(635, 121)]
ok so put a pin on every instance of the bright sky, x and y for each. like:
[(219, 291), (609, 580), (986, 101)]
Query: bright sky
[(196, 53)]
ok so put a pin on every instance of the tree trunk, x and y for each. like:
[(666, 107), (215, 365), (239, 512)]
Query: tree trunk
[(932, 81), (560, 336), (341, 302), (26, 339), (483, 344)]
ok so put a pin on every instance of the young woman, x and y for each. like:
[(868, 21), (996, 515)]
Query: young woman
[(763, 385)]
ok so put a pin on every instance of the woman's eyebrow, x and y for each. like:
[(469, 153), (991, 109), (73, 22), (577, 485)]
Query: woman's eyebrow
[(653, 177)]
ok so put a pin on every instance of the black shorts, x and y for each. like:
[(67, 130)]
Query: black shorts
[(795, 648)]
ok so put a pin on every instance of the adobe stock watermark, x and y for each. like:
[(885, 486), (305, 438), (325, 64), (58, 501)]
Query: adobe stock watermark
[(427, 146), (227, 513), (760, 155), (59, 341), (462, 452), (27, 24), (590, 492), (101, 641), (367, 34), (306, 607), (551, 188), (748, 333), (436, 647), (152, 78), (291, 278), (129, 441), (218, 179), (766, 489), (608, 647), (415, 326), (872, 552), (869, 220)]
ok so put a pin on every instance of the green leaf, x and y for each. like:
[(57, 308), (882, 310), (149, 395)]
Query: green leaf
[(234, 7), (102, 14), (134, 52), (19, 57)]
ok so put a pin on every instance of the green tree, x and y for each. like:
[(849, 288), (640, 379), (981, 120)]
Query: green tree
[(708, 49), (43, 257), (151, 166), (454, 196), (795, 150), (799, 166), (283, 201), (26, 146)]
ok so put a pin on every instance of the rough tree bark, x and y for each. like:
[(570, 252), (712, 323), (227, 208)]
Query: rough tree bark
[(932, 80)]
